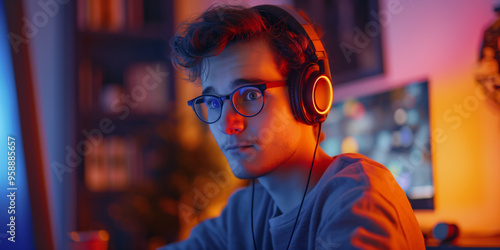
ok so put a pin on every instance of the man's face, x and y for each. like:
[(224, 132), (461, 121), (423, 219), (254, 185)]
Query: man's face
[(253, 146)]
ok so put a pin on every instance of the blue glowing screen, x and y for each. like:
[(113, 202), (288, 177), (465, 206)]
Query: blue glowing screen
[(14, 194)]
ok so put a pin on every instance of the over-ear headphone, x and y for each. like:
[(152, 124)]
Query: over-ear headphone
[(310, 87)]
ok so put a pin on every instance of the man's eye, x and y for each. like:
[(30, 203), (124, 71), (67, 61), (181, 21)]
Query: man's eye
[(213, 103), (252, 95)]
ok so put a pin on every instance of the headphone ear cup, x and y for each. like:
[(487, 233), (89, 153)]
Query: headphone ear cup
[(311, 94), (294, 88), (318, 94)]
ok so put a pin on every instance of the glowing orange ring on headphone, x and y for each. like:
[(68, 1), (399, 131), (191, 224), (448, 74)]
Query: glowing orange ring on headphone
[(329, 98)]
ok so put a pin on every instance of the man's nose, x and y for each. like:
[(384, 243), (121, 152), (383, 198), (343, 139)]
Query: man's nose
[(230, 121)]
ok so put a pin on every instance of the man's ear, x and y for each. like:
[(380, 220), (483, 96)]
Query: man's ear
[(315, 131)]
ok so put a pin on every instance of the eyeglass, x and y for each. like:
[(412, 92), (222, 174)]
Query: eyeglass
[(246, 100)]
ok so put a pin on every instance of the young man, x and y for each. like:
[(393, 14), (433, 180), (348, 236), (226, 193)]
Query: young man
[(247, 59)]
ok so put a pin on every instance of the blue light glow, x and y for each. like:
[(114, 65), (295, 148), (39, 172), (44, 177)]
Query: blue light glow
[(10, 126)]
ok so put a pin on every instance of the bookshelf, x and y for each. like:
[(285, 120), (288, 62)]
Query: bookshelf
[(125, 105)]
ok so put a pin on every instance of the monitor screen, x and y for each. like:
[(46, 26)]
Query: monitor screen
[(15, 216), (25, 217), (391, 128)]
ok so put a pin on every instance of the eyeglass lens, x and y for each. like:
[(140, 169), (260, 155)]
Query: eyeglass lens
[(247, 101)]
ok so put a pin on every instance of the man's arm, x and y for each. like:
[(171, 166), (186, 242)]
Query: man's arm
[(366, 219)]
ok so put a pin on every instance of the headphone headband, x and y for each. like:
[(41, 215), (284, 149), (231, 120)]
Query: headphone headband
[(310, 87), (315, 50)]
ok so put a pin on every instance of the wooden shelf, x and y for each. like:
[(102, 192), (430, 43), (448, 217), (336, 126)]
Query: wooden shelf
[(111, 64)]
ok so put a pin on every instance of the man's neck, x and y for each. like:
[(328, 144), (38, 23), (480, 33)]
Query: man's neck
[(287, 184)]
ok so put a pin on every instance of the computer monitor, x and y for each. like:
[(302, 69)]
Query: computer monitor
[(25, 217), (391, 128)]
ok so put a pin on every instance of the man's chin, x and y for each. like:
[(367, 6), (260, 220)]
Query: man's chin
[(243, 172)]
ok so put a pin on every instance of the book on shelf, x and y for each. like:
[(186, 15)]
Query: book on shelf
[(144, 90), (90, 80), (111, 15), (113, 164), (95, 168), (135, 14), (116, 157), (146, 83)]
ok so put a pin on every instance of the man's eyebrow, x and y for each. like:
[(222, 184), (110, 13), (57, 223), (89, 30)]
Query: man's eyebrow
[(208, 90), (234, 84), (242, 81)]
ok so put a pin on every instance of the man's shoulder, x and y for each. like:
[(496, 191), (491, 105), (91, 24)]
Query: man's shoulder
[(354, 180), (349, 159), (356, 173), (358, 167), (359, 191)]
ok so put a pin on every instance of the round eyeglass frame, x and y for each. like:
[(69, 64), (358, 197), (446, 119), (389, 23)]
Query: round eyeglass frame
[(260, 86)]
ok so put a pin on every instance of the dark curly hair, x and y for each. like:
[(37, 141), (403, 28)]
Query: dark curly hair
[(220, 26)]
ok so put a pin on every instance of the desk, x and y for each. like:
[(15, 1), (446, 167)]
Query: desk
[(467, 242)]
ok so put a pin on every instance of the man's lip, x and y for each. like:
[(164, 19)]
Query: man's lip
[(239, 146)]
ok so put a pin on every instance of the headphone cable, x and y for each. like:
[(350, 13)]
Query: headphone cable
[(301, 203), (251, 215), (307, 185)]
